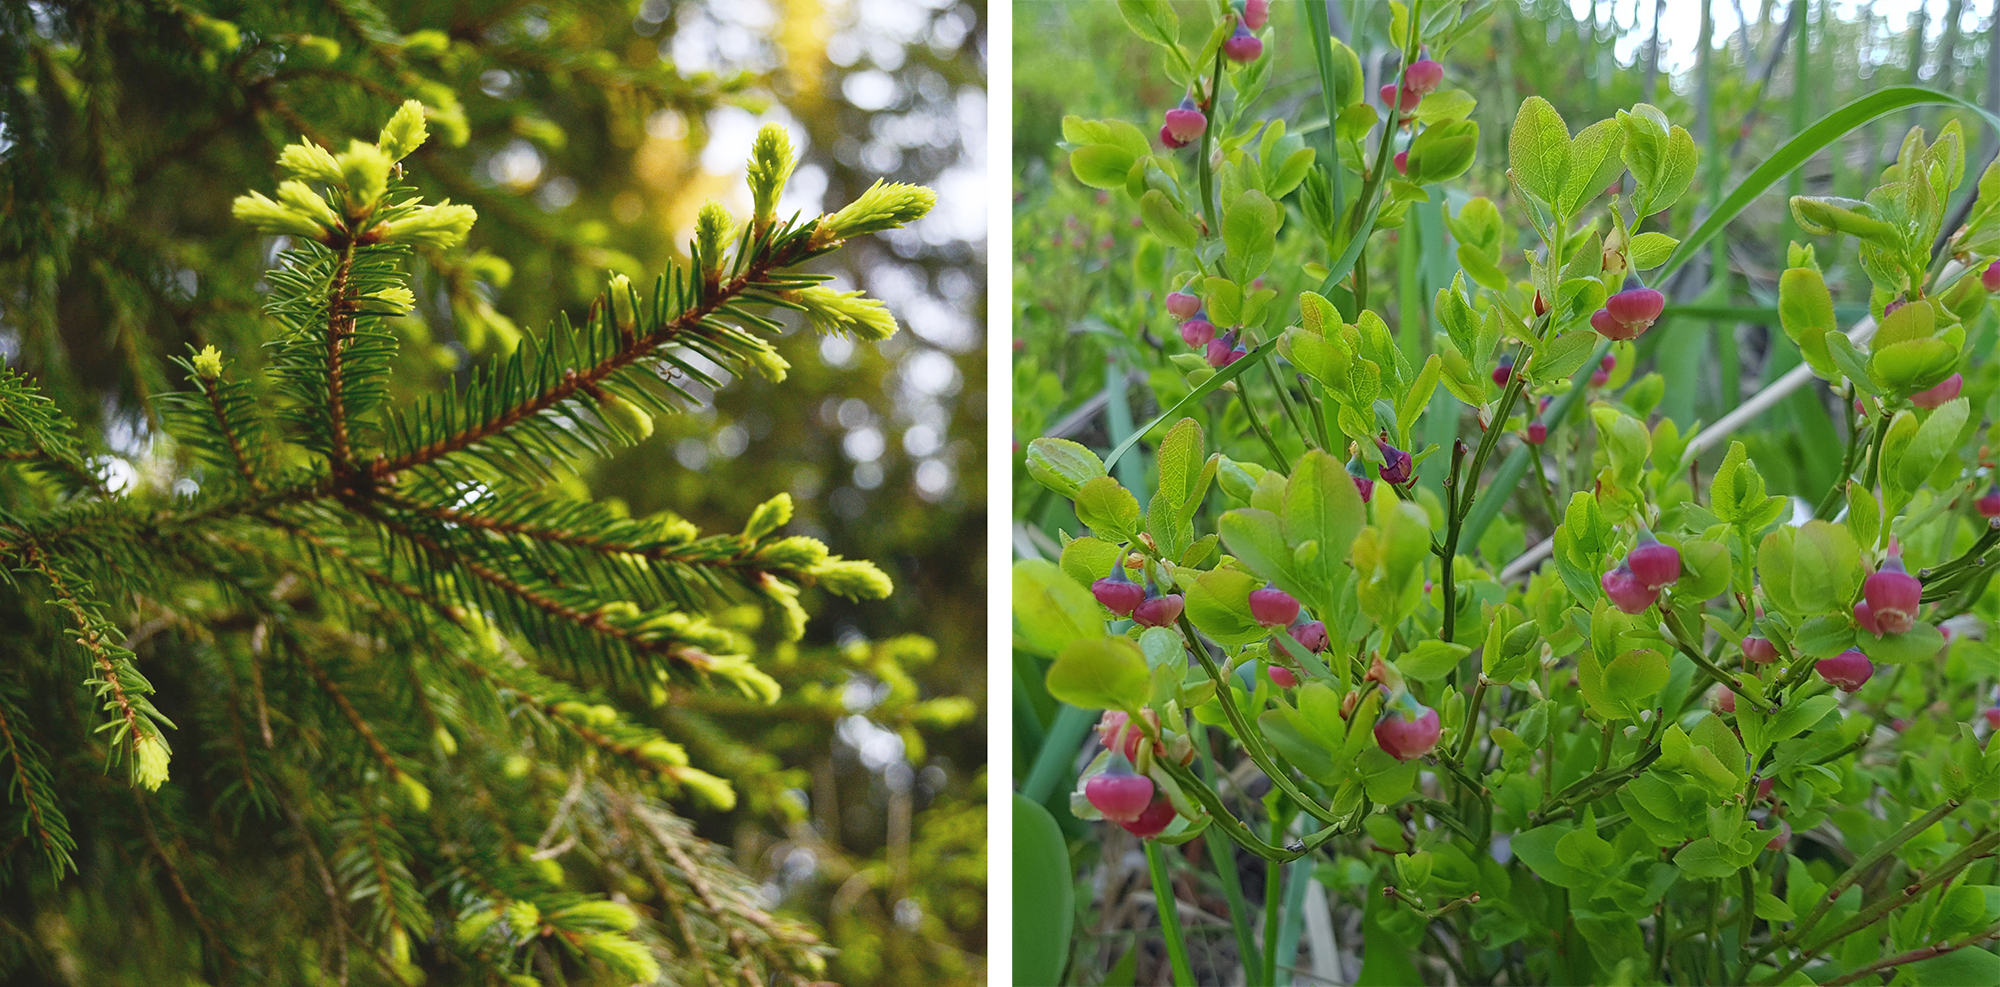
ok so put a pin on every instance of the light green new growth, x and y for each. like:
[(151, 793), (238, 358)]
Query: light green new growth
[(364, 170), (443, 225), (845, 313), (404, 132), (268, 216), (771, 165), (623, 314), (300, 198), (856, 579), (711, 227), (151, 769), (310, 161), (885, 206), (769, 516), (764, 359), (208, 362)]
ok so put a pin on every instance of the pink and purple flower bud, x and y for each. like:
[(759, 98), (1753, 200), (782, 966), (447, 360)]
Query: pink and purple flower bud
[(1152, 822), (1864, 618), (1118, 593), (1893, 595), (1158, 610), (1609, 328), (1989, 505), (1242, 46), (1627, 591), (1408, 101), (1283, 678), (1630, 312), (1538, 433), (1362, 484), (1168, 141), (1396, 464), (1402, 162), (1183, 305), (1931, 398), (1759, 650), (1636, 304), (1117, 732), (1850, 670), (1990, 278), (1423, 76), (1119, 793), (1725, 700), (1992, 713), (1655, 564), (1504, 372), (1272, 607), (1186, 121), (1218, 350), (1256, 13), (1198, 332), (1311, 633), (1408, 733)]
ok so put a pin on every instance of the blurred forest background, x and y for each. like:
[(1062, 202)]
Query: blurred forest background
[(587, 134), (1743, 76)]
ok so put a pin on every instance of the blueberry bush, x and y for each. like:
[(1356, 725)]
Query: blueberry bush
[(1290, 639)]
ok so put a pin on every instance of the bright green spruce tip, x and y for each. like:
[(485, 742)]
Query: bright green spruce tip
[(885, 206), (208, 362), (404, 132), (361, 174), (364, 172), (771, 164), (712, 226), (845, 313)]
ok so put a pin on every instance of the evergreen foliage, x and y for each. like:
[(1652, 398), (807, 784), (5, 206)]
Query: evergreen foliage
[(414, 710)]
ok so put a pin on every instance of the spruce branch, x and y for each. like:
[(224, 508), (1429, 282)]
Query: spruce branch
[(543, 600), (135, 722), (43, 819)]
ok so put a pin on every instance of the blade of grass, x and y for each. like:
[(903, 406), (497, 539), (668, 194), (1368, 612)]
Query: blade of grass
[(1168, 906), (1118, 414), (1052, 761), (1207, 387), (1224, 853), (1811, 141), (1322, 46), (1298, 881)]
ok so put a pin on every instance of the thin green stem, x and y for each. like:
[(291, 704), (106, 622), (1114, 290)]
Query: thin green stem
[(1257, 425), (1685, 642), (1291, 409), (1210, 220), (1853, 874), (1471, 719), (1224, 853)]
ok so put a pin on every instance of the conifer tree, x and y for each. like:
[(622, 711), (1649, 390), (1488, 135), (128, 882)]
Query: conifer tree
[(411, 728)]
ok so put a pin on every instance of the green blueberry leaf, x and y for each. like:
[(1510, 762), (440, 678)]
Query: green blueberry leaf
[(1538, 149), (1250, 233), (1062, 466), (1431, 660), (1108, 508), (1100, 673), (1051, 610), (1102, 166), (1166, 221)]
